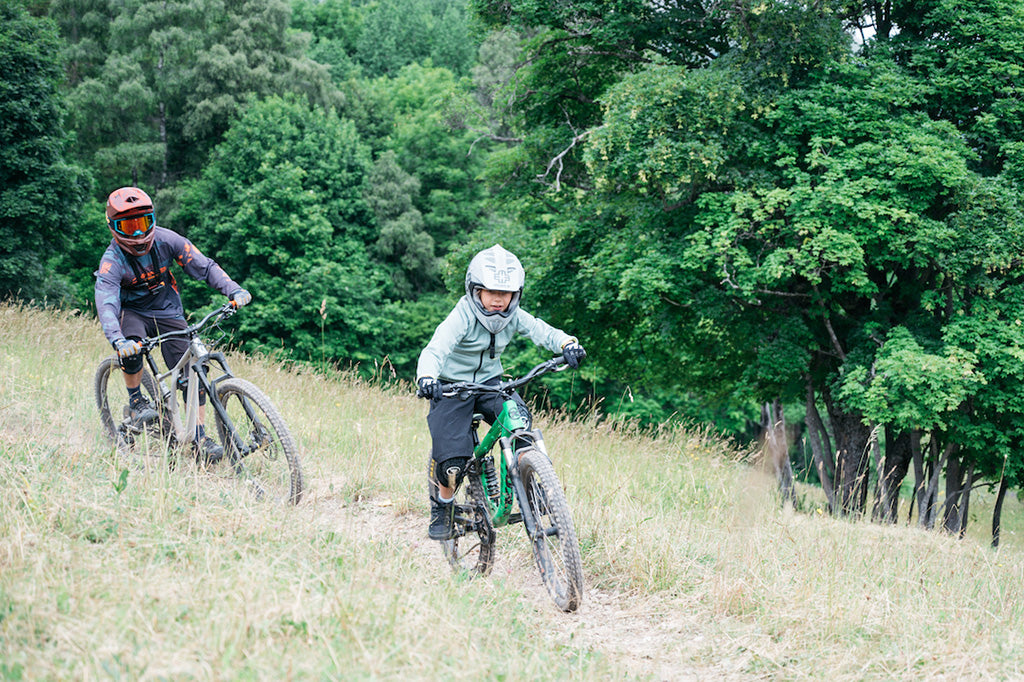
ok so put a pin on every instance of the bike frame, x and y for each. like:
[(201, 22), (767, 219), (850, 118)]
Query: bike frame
[(509, 431), (193, 364)]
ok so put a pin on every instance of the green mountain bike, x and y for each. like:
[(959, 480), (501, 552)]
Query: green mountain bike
[(491, 485)]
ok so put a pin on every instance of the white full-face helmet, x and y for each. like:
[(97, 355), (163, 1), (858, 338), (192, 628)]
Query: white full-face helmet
[(498, 270)]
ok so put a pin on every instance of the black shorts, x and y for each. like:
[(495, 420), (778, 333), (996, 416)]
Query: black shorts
[(137, 326), (450, 420)]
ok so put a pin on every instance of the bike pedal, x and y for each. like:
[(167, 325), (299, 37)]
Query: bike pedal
[(515, 518)]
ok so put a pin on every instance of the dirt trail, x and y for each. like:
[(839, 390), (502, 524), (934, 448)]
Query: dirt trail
[(653, 639)]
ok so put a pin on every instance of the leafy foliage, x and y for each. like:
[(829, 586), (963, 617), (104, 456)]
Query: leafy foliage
[(281, 208), (40, 191), (149, 109)]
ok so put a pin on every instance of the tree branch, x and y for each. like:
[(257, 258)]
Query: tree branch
[(557, 160)]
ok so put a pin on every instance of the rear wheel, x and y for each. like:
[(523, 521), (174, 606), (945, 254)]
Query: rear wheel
[(472, 548), (257, 443), (554, 539), (112, 402)]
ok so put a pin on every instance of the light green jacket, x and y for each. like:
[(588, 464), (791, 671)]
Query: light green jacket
[(460, 349)]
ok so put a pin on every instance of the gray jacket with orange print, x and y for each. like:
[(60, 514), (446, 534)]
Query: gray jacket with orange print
[(146, 285)]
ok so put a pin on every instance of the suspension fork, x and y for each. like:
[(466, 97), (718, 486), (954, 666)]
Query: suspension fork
[(512, 461), (166, 393), (198, 368)]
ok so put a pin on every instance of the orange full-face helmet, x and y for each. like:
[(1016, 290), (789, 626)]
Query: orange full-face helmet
[(131, 220)]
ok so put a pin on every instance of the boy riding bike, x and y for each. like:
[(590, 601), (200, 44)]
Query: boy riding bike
[(467, 346), (137, 296)]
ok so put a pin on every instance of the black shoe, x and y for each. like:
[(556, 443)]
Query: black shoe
[(141, 412), (208, 451), (440, 520)]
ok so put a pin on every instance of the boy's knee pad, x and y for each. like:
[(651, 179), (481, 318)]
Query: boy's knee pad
[(439, 471)]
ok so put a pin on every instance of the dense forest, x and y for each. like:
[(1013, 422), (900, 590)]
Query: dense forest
[(786, 217)]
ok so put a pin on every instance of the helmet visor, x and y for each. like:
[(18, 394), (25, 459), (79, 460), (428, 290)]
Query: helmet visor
[(136, 226)]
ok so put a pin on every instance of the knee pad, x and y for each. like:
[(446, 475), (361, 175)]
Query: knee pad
[(438, 473), (183, 387), (133, 363)]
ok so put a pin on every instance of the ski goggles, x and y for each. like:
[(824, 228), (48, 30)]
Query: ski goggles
[(136, 226)]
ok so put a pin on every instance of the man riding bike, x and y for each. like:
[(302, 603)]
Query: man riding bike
[(137, 296)]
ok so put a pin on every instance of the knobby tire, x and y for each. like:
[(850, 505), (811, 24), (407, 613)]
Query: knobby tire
[(112, 400), (555, 546), (268, 460)]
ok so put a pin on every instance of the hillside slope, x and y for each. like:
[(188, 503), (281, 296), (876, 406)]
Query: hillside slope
[(693, 571)]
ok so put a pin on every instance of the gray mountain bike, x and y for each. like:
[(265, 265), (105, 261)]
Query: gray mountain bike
[(257, 445)]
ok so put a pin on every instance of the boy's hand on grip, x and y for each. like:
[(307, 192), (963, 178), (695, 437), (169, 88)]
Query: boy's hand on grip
[(573, 352), (429, 387)]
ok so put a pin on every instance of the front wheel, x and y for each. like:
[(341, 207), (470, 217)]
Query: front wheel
[(554, 538), (257, 443)]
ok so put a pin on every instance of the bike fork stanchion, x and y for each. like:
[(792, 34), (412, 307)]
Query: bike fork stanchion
[(529, 522)]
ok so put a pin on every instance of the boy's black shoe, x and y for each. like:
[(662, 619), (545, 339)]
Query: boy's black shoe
[(141, 412), (440, 520), (209, 451)]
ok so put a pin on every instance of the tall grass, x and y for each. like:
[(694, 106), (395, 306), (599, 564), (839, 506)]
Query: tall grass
[(693, 570)]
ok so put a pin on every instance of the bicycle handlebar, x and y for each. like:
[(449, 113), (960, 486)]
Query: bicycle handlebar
[(225, 311), (464, 390)]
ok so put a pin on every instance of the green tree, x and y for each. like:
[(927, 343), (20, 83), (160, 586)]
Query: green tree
[(972, 53), (40, 191), (403, 245), (785, 221), (334, 27), (149, 112), (397, 33), (430, 144), (281, 208)]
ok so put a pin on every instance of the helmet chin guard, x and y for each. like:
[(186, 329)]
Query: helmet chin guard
[(497, 270)]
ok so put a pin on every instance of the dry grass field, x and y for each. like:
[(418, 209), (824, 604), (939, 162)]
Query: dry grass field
[(115, 570)]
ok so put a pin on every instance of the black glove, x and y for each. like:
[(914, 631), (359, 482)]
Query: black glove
[(573, 352), (429, 387)]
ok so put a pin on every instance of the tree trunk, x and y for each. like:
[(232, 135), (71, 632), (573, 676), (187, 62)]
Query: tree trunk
[(927, 473), (775, 449), (965, 508), (821, 448), (163, 125), (898, 455), (954, 493), (997, 511), (852, 457)]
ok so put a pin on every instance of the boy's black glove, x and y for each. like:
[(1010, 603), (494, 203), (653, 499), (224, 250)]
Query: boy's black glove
[(573, 353), (429, 387)]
